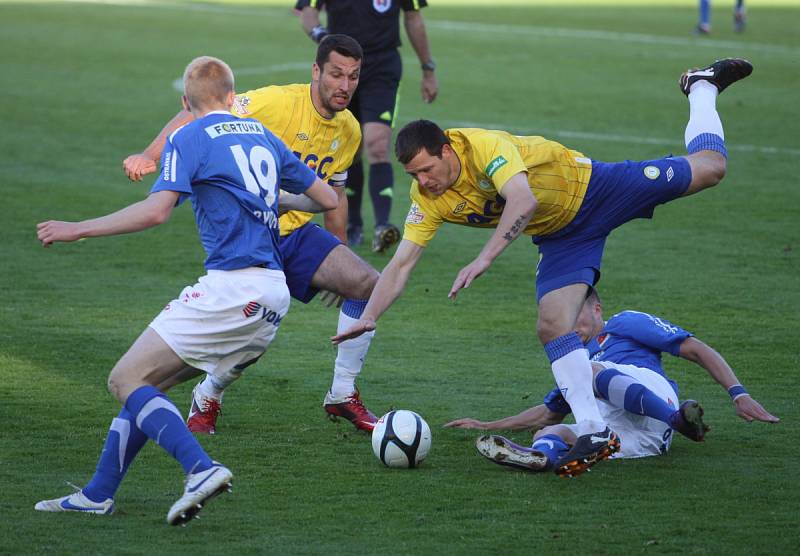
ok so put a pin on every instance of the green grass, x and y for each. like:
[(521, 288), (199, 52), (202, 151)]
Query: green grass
[(83, 85)]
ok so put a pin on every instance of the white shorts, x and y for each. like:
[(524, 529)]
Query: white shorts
[(226, 320), (640, 436)]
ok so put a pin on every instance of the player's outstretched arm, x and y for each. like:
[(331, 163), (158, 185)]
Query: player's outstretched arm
[(145, 214), (415, 29), (136, 166), (320, 197), (389, 287), (533, 418), (746, 407), (520, 206)]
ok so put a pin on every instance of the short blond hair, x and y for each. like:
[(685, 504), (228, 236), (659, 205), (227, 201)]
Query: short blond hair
[(207, 81)]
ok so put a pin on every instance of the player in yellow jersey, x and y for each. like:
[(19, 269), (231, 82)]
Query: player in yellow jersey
[(314, 122), (568, 203)]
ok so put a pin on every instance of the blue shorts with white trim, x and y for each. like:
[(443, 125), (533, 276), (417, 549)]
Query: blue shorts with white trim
[(617, 192)]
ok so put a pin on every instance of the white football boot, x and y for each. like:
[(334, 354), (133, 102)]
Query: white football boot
[(76, 502), (200, 488)]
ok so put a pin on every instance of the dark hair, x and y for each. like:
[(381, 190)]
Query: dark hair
[(342, 44), (418, 135), (592, 295)]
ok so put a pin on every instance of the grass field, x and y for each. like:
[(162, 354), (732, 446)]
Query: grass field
[(82, 85)]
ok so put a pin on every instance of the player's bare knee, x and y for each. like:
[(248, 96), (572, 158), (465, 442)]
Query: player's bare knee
[(115, 385), (377, 152), (708, 169), (549, 328)]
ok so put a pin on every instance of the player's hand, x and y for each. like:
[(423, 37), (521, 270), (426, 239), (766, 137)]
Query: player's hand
[(359, 328), (54, 230), (330, 299), (466, 423), (468, 275), (750, 410), (430, 86), (137, 166)]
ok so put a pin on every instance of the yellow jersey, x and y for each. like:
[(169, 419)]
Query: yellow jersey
[(558, 178), (327, 146)]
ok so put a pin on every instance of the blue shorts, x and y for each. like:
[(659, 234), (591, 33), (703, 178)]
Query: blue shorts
[(617, 192), (303, 251)]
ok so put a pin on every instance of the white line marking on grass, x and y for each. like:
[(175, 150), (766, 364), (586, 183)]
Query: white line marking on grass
[(495, 30), (615, 138)]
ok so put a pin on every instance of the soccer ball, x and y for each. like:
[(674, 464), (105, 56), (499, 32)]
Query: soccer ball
[(401, 438)]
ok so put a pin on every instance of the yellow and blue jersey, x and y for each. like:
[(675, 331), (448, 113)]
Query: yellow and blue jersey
[(558, 178), (326, 145)]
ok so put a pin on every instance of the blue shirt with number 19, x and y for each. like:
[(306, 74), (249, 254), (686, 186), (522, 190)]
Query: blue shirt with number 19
[(231, 169)]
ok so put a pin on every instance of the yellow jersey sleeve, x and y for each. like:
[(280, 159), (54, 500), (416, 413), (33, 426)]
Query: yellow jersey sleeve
[(423, 219), (497, 158)]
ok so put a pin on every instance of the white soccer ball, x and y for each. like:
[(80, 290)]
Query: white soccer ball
[(401, 438)]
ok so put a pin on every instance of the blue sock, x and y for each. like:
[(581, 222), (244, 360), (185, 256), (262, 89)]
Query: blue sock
[(161, 421), (707, 142), (123, 442), (705, 12), (354, 308), (552, 446), (621, 390)]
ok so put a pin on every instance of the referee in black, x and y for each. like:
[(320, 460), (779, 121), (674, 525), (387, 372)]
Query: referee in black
[(375, 24)]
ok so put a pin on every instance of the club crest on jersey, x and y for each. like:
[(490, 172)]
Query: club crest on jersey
[(414, 215), (652, 172), (459, 207), (382, 6), (485, 185), (240, 104), (334, 145)]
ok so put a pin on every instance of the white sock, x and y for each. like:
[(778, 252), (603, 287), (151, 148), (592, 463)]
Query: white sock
[(213, 387), (349, 359), (703, 116), (573, 374)]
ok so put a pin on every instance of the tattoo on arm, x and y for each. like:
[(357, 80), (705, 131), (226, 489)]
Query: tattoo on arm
[(515, 229)]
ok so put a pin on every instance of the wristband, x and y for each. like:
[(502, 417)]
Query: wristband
[(318, 33), (737, 391), (430, 65)]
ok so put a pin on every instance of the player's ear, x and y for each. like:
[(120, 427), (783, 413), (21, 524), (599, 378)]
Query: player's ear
[(230, 98), (316, 71), (185, 103), (446, 150)]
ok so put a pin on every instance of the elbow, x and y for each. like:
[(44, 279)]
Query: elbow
[(530, 206), (159, 216)]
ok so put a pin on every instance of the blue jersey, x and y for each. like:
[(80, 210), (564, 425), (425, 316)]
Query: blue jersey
[(630, 338), (231, 169)]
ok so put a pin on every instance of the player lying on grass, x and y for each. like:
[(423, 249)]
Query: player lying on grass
[(568, 203), (635, 396), (231, 169), (315, 124)]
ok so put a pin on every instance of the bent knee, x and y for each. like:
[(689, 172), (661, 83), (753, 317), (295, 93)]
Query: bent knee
[(115, 385), (550, 329), (366, 284), (708, 169)]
